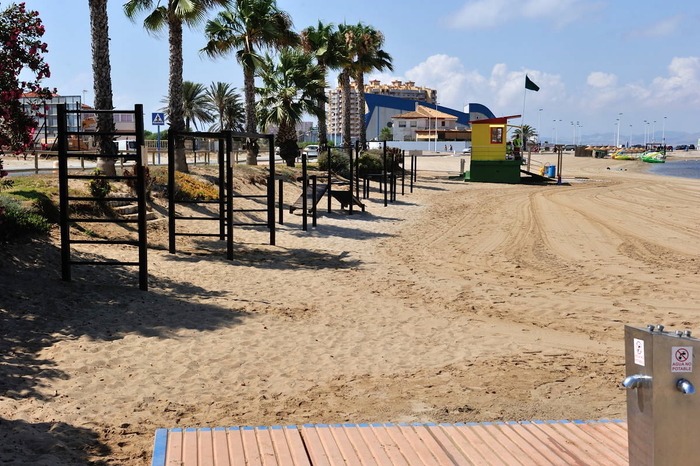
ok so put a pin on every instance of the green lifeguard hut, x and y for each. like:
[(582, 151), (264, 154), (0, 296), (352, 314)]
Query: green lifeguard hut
[(490, 161)]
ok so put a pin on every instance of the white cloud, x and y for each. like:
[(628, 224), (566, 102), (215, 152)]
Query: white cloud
[(683, 84), (501, 90), (485, 14), (600, 79), (662, 28)]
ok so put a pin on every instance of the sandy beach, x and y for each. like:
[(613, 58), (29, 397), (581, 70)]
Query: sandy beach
[(460, 302)]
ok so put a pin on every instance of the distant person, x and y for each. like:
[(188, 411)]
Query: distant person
[(450, 147), (445, 147), (517, 146)]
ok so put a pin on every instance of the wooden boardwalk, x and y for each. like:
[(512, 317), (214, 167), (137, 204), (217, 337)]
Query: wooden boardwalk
[(499, 443)]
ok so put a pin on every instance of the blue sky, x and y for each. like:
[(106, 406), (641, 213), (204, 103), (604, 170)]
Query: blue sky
[(592, 59)]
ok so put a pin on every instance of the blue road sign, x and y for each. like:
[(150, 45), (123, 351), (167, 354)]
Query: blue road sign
[(157, 119)]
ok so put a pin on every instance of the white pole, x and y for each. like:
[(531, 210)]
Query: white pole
[(653, 132), (663, 134), (629, 142), (573, 141), (539, 125)]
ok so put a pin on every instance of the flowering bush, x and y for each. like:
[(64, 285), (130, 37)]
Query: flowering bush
[(21, 48)]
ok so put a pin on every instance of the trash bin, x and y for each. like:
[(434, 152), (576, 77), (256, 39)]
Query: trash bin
[(552, 171)]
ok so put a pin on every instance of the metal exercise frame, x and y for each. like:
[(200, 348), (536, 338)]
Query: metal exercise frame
[(226, 211), (65, 198)]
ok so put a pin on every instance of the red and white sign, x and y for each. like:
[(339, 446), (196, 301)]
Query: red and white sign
[(682, 359), (639, 352)]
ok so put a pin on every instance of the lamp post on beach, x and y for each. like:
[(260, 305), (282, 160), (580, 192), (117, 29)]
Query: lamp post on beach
[(573, 140), (645, 133), (436, 118), (539, 125), (653, 132), (629, 141), (663, 134), (617, 126), (619, 119)]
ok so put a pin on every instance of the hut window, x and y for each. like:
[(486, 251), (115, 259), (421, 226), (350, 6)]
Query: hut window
[(496, 135)]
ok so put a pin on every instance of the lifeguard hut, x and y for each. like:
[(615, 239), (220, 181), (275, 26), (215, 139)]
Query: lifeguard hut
[(490, 161)]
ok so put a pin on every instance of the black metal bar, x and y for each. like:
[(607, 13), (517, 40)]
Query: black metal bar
[(125, 199), (271, 191), (104, 263), (314, 200), (180, 217), (216, 201), (384, 174), (251, 225), (330, 187), (171, 191), (412, 170), (403, 172), (222, 192), (94, 110), (105, 241), (415, 171), (100, 177), (357, 151), (63, 189), (357, 175), (141, 194), (229, 197), (101, 220), (208, 235), (281, 201), (250, 210), (256, 196), (99, 133), (304, 190)]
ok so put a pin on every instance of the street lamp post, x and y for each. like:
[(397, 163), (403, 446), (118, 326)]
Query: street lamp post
[(645, 133), (436, 122), (653, 132), (618, 128), (663, 134), (539, 124), (629, 141), (573, 141)]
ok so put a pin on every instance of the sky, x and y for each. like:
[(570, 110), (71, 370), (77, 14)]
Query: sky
[(592, 59)]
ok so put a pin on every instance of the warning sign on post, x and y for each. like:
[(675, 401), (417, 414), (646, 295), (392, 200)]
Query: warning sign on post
[(639, 352), (682, 359)]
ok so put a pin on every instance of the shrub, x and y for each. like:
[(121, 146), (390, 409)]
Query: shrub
[(188, 188), (16, 220), (370, 163), (340, 162), (100, 187)]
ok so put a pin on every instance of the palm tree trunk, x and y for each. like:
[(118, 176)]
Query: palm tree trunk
[(360, 80), (102, 84), (250, 118), (287, 140), (322, 126), (345, 86), (175, 109)]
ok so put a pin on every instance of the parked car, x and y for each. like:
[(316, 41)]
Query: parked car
[(569, 147), (311, 151), (691, 147), (681, 147), (467, 150)]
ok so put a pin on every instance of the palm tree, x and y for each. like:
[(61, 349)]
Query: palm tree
[(322, 43), (172, 15), (246, 28), (526, 134), (102, 83), (346, 36), (290, 89), (369, 57), (194, 105), (224, 101)]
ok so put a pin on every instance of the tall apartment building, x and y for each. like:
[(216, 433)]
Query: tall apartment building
[(334, 106)]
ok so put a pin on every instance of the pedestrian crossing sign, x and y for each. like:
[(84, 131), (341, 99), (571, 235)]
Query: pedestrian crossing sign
[(157, 119)]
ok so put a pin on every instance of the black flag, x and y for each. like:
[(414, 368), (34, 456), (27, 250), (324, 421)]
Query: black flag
[(530, 85)]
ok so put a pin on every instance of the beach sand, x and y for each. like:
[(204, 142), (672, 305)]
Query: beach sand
[(460, 302)]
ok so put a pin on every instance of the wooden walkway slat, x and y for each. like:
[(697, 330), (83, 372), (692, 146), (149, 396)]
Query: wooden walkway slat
[(527, 443)]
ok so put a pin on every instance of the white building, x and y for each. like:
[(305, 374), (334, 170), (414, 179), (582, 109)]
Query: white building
[(423, 124)]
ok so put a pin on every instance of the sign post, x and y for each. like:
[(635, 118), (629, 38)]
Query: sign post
[(158, 119)]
